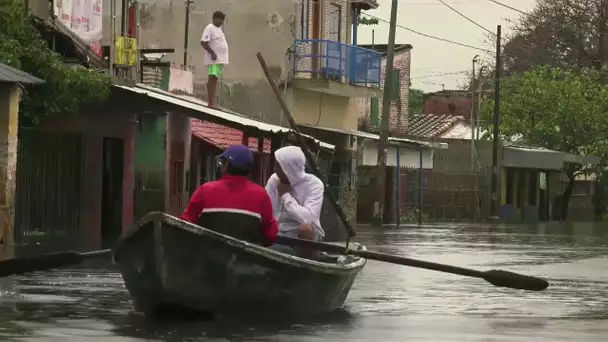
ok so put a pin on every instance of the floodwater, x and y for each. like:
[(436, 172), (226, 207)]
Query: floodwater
[(387, 303)]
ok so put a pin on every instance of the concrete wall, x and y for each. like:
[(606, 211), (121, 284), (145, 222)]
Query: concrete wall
[(178, 163), (10, 95), (457, 157), (398, 109), (267, 26), (408, 157), (318, 109), (95, 125)]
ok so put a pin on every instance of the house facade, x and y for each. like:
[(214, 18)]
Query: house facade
[(306, 45), (458, 186), (370, 109)]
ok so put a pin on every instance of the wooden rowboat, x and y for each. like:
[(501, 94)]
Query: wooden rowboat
[(170, 264)]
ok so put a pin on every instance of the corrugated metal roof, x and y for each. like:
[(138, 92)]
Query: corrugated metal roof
[(9, 74), (567, 157), (198, 105), (367, 135)]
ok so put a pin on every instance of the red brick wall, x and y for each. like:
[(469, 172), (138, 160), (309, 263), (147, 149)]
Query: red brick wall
[(454, 105), (329, 7), (326, 12), (398, 112)]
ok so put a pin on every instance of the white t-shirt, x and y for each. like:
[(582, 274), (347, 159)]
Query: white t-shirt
[(217, 42)]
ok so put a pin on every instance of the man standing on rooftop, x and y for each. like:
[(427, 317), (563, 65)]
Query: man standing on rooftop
[(216, 54)]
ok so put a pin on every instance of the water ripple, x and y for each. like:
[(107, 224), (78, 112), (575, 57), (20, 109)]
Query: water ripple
[(387, 303)]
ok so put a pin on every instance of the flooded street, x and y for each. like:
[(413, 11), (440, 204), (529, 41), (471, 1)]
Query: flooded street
[(387, 303)]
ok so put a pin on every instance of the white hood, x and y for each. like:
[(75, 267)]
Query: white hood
[(304, 201), (292, 162)]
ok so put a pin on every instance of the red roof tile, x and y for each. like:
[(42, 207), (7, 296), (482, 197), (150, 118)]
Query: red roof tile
[(431, 125), (222, 136)]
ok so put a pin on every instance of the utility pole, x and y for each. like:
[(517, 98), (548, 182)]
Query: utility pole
[(495, 170), (472, 118), (478, 102), (386, 105), (186, 31)]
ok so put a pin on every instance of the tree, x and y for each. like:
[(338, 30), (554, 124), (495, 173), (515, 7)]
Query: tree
[(415, 101), (66, 88), (367, 21), (557, 109), (559, 33)]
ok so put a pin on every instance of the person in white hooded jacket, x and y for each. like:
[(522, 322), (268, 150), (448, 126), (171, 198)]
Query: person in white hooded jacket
[(297, 197)]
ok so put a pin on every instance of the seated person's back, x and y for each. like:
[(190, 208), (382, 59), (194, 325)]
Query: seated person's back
[(234, 205)]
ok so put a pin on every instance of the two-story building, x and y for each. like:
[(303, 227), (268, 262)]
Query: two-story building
[(370, 109), (306, 45)]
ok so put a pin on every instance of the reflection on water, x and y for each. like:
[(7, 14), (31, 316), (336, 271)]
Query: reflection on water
[(387, 303)]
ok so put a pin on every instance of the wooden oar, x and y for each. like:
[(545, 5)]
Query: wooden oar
[(495, 277), (45, 262), (311, 161)]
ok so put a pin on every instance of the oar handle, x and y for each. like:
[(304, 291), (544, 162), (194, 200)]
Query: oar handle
[(494, 277)]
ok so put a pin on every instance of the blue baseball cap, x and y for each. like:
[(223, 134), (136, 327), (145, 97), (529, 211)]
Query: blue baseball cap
[(238, 156)]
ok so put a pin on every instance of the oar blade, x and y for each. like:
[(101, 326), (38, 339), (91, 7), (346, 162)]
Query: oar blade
[(515, 280)]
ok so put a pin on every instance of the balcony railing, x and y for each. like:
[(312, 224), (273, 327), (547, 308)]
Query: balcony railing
[(336, 61)]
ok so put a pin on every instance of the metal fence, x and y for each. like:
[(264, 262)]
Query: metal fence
[(444, 196), (338, 61), (49, 182)]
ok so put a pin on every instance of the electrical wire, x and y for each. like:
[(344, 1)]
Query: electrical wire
[(467, 18), (521, 48), (441, 74), (431, 36), (507, 6)]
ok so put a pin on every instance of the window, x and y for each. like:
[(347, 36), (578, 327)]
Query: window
[(334, 29), (375, 111), (396, 80), (304, 18)]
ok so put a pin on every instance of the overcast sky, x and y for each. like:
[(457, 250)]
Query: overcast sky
[(435, 62)]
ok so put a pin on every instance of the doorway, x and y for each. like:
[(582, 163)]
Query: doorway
[(111, 193)]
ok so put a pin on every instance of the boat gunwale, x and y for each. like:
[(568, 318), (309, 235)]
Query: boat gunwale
[(317, 266)]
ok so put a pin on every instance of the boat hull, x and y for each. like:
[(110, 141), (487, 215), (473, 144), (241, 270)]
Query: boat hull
[(169, 263)]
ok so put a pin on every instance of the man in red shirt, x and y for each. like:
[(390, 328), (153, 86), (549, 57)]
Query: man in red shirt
[(234, 205)]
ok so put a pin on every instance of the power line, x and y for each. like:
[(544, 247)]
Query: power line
[(435, 4), (485, 29), (507, 6), (449, 73), (467, 18), (430, 36)]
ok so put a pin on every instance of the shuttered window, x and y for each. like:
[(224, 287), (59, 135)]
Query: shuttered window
[(396, 81), (375, 111)]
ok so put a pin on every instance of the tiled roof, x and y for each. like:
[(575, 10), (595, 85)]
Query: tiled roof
[(11, 75), (222, 136), (431, 125)]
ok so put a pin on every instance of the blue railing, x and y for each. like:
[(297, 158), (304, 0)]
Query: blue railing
[(337, 61)]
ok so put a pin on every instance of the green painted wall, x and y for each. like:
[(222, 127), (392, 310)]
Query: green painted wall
[(150, 143), (150, 165)]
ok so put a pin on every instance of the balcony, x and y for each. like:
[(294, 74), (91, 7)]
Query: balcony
[(336, 68)]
